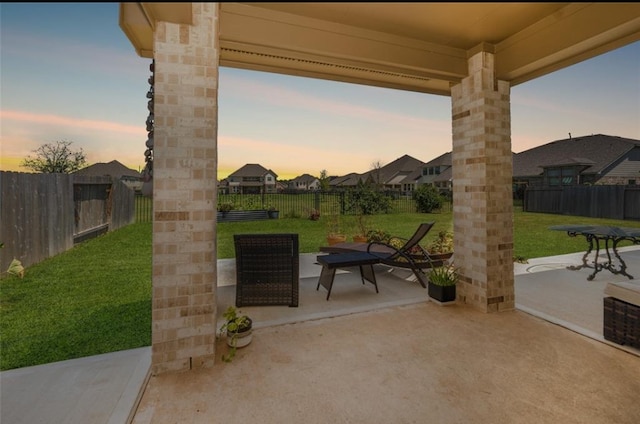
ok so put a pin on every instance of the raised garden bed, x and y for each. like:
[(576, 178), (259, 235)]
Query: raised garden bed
[(234, 216)]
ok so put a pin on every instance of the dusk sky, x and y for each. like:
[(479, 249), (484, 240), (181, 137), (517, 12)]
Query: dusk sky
[(69, 73)]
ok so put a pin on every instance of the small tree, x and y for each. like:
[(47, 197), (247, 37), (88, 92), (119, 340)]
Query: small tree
[(376, 169), (57, 157), (324, 180)]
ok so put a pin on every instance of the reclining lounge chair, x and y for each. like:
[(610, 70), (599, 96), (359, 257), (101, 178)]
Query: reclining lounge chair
[(399, 252)]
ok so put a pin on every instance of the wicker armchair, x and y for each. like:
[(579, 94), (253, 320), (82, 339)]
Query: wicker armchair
[(267, 269)]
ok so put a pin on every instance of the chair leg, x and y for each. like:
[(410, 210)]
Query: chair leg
[(422, 277)]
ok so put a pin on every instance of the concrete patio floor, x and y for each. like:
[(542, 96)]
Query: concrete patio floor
[(363, 357)]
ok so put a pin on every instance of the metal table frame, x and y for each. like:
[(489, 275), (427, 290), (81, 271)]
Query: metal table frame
[(609, 237)]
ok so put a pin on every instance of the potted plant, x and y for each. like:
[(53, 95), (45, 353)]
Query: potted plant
[(442, 246), (378, 235), (314, 214), (334, 231), (362, 228), (225, 207), (442, 283), (272, 212), (238, 329)]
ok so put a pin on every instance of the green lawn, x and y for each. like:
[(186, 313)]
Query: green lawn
[(96, 297)]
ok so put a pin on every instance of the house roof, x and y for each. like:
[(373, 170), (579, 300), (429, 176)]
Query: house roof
[(412, 176), (595, 152), (346, 180), (396, 171), (304, 178), (252, 170), (442, 160), (112, 169)]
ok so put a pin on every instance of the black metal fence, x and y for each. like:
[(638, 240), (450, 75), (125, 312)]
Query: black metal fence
[(598, 201), (294, 204), (144, 208)]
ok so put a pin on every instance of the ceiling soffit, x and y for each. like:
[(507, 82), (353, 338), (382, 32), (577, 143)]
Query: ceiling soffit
[(411, 46)]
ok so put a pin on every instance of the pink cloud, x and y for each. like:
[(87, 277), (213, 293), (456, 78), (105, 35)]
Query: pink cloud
[(36, 118)]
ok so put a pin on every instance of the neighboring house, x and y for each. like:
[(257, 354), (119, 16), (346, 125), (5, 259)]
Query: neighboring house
[(595, 159), (410, 182), (252, 179), (223, 186), (401, 174), (345, 181), (438, 173), (304, 182), (393, 175), (116, 171)]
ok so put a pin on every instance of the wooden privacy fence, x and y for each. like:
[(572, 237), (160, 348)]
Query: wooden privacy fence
[(42, 215), (598, 201)]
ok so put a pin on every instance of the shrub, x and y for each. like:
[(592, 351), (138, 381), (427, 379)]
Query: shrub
[(427, 198), (365, 200)]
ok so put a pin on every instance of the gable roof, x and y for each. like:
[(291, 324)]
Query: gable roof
[(304, 178), (112, 169), (595, 152), (350, 179), (252, 170), (413, 176), (442, 160), (400, 167)]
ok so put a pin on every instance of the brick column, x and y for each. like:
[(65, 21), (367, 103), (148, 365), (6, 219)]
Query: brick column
[(482, 185), (184, 192)]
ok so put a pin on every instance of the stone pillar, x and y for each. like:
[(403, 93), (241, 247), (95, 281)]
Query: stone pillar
[(482, 187), (184, 192)]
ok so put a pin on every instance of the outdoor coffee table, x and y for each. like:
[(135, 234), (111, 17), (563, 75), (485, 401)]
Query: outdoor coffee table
[(330, 263), (609, 237)]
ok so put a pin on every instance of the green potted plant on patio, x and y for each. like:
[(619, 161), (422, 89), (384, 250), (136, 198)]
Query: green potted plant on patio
[(238, 329), (442, 283)]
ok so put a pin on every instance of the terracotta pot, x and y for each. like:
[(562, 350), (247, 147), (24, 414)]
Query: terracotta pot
[(360, 239), (336, 238)]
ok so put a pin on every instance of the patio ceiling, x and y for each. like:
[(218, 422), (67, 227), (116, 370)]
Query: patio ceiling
[(419, 47)]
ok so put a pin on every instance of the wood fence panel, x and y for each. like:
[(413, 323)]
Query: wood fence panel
[(632, 203), (42, 215), (36, 216), (90, 196), (544, 201), (600, 201), (122, 206)]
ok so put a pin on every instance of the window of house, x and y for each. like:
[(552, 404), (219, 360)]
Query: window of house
[(431, 170), (561, 176)]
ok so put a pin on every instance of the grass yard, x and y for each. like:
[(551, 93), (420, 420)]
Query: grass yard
[(96, 297)]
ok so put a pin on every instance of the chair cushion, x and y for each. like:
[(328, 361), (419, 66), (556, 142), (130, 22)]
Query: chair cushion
[(628, 291)]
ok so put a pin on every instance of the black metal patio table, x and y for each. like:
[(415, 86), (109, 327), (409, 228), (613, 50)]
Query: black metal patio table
[(610, 237)]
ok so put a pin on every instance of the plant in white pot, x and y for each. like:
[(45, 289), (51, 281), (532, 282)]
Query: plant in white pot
[(442, 283), (238, 329)]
